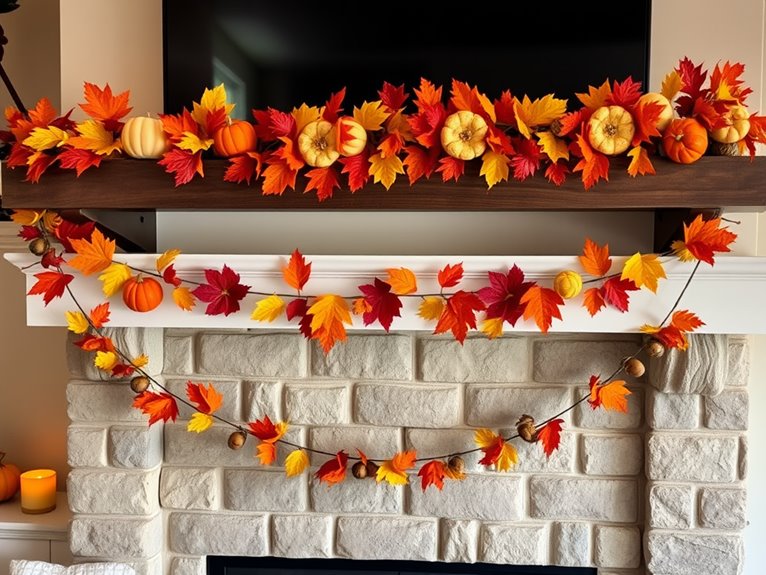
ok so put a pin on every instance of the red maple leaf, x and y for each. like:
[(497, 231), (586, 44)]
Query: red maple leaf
[(756, 134), (393, 97), (18, 156), (432, 473), (90, 342), (615, 292), (499, 141), (296, 308), (323, 180), (593, 384), (503, 295), (50, 285), (550, 436), (51, 260), (123, 370), (78, 159), (427, 124), (449, 276), (459, 314), (504, 109), (183, 165), (572, 121), (692, 78), (645, 117), (222, 292), (243, 168), (170, 277), (526, 161), (450, 168), (384, 305), (29, 233), (281, 124), (710, 114), (67, 231), (334, 470), (358, 170), (264, 429), (332, 108), (492, 452), (420, 163), (557, 173), (158, 406), (38, 166), (625, 93)]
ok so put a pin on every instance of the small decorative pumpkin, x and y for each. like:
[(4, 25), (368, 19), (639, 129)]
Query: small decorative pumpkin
[(351, 137), (464, 135), (316, 143), (737, 125), (667, 108), (684, 140), (9, 479), (234, 139), (611, 130), (143, 138), (142, 293)]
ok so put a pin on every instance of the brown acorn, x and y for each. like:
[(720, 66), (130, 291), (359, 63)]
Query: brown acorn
[(237, 439), (525, 427), (372, 469), (655, 349), (633, 367), (456, 464), (359, 470), (555, 127), (39, 246), (139, 384)]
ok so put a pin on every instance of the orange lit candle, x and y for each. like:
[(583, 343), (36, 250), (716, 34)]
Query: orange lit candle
[(38, 491)]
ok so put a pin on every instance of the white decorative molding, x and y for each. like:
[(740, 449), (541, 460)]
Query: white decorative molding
[(725, 296)]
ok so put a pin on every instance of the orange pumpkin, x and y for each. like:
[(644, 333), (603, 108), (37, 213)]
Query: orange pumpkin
[(142, 293), (9, 479), (234, 139), (684, 140)]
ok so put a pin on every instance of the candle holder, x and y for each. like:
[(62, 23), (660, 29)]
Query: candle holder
[(38, 491)]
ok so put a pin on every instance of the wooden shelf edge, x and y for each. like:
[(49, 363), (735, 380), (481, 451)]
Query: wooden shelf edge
[(125, 184)]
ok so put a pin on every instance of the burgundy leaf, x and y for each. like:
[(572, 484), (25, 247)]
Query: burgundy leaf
[(503, 295), (222, 292), (385, 305)]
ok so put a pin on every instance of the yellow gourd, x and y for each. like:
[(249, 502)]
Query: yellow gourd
[(611, 130), (737, 125), (464, 135), (143, 138), (316, 143)]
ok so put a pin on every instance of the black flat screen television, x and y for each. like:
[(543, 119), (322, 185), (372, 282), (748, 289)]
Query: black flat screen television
[(281, 53)]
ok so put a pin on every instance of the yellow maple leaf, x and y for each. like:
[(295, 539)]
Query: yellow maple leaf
[(371, 115), (296, 462), (94, 255), (394, 470), (384, 170), (166, 259), (431, 307), (531, 114), (596, 97), (106, 360), (671, 85), (94, 137), (113, 278), (492, 327), (681, 251), (26, 217), (484, 437), (194, 143), (556, 148), (268, 309), (330, 313), (494, 167), (644, 270), (507, 458), (199, 422), (212, 99), (184, 298), (140, 361), (77, 322), (402, 281), (304, 115), (46, 138)]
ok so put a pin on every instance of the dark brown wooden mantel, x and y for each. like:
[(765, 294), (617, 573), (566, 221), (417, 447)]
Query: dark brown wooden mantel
[(126, 184)]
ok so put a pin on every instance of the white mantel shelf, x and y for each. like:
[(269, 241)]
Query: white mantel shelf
[(727, 297)]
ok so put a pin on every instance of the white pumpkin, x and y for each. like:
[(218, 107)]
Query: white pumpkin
[(143, 138)]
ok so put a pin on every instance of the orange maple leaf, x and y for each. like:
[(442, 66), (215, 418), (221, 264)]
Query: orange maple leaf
[(176, 126), (593, 301), (50, 285), (550, 436), (702, 239), (278, 176), (158, 406), (334, 470), (402, 281), (266, 453), (640, 164), (595, 259), (99, 315), (449, 276), (323, 180), (94, 255), (419, 163), (686, 320), (459, 314), (427, 94), (394, 470), (542, 304), (297, 272), (102, 105), (593, 165), (206, 399), (596, 97), (432, 473), (611, 395), (329, 313), (450, 168), (674, 334)]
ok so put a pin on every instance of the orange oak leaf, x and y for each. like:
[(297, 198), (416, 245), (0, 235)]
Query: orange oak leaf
[(102, 105), (99, 315), (402, 281), (640, 164), (329, 313), (290, 154), (595, 259), (451, 168), (572, 121), (334, 470), (432, 473), (50, 285), (158, 406), (297, 272), (449, 276), (611, 395), (205, 399), (323, 180), (702, 239), (542, 305), (550, 436), (267, 431), (94, 255), (394, 470), (593, 165), (459, 314)]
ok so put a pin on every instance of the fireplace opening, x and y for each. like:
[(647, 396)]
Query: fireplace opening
[(222, 565)]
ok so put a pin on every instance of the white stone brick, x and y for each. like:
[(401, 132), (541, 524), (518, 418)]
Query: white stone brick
[(738, 367), (262, 398), (368, 356), (415, 405), (617, 547), (88, 401), (700, 369), (190, 488), (203, 449), (586, 416), (570, 544), (218, 533), (116, 537), (612, 454), (251, 354), (675, 457), (134, 446), (459, 541), (694, 553), (532, 457), (151, 566), (570, 498), (673, 410), (574, 361), (742, 464), (262, 490), (670, 506), (728, 410), (723, 508), (316, 404), (434, 442), (513, 544), (86, 446), (492, 496), (109, 491), (501, 405), (230, 389), (188, 566), (477, 360), (356, 496), (399, 538), (299, 536), (375, 442), (179, 355), (132, 341)]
